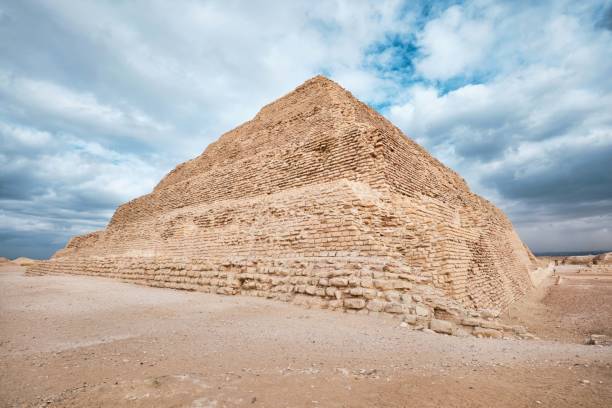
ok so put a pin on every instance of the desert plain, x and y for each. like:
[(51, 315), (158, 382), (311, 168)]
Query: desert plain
[(73, 341)]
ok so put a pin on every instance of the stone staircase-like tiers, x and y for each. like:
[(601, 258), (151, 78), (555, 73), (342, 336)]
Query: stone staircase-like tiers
[(319, 201)]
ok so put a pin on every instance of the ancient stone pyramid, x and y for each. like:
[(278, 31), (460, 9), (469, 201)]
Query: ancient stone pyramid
[(321, 201)]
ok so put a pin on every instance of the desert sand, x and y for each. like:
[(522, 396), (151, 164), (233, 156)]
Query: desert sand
[(68, 341)]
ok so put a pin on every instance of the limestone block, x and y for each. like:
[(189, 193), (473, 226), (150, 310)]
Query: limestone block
[(394, 308), (402, 284), (392, 296), (489, 313), (370, 293), (410, 319), (339, 282), (354, 303), (482, 332), (422, 311), (376, 305), (519, 329), (472, 322), (406, 299), (383, 284), (442, 326), (356, 291), (367, 283)]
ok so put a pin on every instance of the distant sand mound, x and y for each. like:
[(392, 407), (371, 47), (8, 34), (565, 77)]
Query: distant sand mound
[(23, 261), (579, 260)]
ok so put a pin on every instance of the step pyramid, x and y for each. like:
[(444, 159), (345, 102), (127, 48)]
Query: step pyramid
[(320, 201)]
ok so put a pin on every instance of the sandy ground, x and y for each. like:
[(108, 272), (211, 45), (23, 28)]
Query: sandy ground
[(568, 309), (79, 341)]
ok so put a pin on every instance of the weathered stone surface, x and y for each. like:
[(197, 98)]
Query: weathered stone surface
[(441, 326), (492, 333), (376, 305), (320, 201), (489, 313), (410, 319), (394, 308), (598, 340), (354, 303), (472, 322), (338, 282), (422, 311)]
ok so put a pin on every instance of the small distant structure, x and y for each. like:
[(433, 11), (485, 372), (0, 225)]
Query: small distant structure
[(603, 259)]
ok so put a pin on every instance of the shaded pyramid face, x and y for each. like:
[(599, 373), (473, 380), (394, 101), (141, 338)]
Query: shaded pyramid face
[(317, 200)]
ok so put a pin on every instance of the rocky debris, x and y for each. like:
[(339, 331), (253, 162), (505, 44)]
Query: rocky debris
[(442, 326), (598, 340), (487, 333), (321, 202), (603, 259)]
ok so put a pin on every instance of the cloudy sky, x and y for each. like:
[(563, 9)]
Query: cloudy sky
[(98, 100)]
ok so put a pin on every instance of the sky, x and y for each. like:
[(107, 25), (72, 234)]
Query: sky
[(99, 100)]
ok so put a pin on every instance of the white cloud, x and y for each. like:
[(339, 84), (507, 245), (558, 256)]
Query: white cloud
[(67, 105), (70, 172), (453, 43), (231, 59), (522, 135), (23, 137)]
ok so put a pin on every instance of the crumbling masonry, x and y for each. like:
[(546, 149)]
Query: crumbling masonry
[(319, 201)]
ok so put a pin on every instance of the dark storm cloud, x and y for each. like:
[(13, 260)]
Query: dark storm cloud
[(562, 204), (606, 18), (571, 176), (36, 246)]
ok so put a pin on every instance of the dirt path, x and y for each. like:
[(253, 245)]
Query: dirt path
[(79, 341)]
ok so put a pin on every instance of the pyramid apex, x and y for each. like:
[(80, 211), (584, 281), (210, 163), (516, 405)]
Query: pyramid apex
[(319, 80), (316, 90)]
